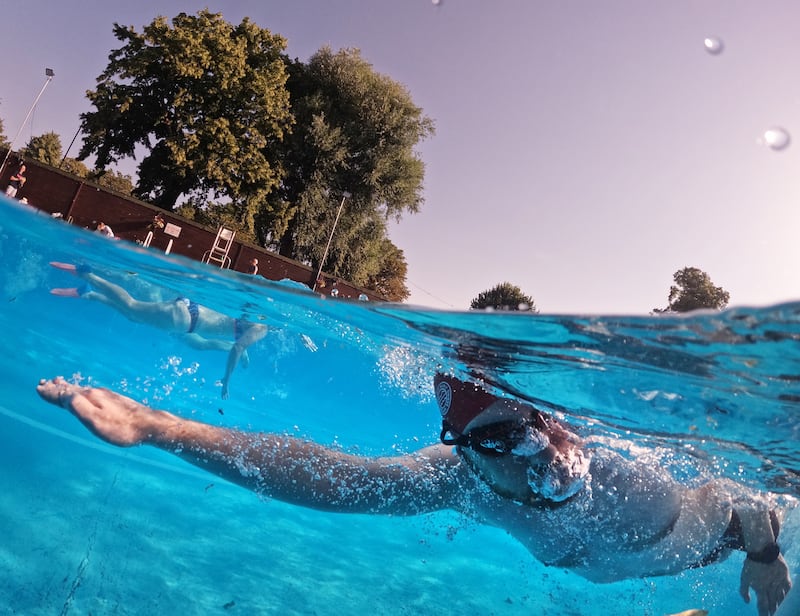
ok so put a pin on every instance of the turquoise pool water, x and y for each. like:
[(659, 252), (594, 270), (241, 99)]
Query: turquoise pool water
[(91, 529)]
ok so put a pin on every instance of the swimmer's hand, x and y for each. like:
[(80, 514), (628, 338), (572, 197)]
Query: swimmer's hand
[(771, 583), (114, 418)]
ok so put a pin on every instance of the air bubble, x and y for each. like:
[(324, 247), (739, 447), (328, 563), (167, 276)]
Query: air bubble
[(713, 45), (776, 138)]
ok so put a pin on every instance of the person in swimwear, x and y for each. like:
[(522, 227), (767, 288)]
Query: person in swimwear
[(501, 461), (200, 327)]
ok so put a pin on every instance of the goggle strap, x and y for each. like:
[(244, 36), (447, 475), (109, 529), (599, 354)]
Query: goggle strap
[(447, 428)]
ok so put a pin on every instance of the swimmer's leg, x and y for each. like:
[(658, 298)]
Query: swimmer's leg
[(165, 315), (79, 269), (72, 291), (115, 294)]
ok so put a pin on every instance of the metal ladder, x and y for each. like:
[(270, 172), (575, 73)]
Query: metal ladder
[(149, 238), (219, 251)]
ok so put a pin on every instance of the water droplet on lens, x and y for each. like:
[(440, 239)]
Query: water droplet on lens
[(777, 138), (713, 45)]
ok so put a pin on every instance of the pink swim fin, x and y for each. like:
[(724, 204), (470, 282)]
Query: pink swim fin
[(81, 268), (67, 267), (73, 292)]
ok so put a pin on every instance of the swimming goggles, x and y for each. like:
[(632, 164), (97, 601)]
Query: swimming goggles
[(496, 439)]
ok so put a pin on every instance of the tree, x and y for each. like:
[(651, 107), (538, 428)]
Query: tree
[(75, 167), (234, 130), (4, 143), (504, 296), (693, 290), (113, 180), (45, 148), (205, 99), (390, 278), (355, 133)]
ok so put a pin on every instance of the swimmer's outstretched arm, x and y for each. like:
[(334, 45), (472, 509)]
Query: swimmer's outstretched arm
[(281, 467)]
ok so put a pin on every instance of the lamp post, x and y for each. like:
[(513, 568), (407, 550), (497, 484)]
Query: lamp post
[(49, 76), (330, 237)]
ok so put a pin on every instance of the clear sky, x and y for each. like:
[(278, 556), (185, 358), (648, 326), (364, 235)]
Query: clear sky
[(585, 150)]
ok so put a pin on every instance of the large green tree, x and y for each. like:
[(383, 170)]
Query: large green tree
[(504, 296), (355, 133), (204, 100), (45, 148), (693, 290)]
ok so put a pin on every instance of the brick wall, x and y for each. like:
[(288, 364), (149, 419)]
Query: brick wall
[(85, 204)]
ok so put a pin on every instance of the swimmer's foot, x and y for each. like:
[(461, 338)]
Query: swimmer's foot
[(114, 418), (72, 291), (79, 269)]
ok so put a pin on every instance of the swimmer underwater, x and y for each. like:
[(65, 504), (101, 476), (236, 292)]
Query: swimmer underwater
[(586, 509), (200, 327)]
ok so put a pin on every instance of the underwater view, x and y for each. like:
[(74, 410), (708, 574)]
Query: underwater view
[(90, 528)]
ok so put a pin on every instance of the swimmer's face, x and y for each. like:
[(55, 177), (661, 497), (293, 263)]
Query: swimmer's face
[(505, 454)]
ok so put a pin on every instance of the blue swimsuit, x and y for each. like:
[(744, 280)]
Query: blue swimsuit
[(194, 312)]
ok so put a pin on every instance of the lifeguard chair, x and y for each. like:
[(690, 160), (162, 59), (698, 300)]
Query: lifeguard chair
[(218, 254)]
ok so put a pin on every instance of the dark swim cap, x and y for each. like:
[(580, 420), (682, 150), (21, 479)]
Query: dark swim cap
[(460, 402)]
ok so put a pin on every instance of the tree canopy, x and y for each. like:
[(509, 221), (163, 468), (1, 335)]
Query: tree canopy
[(389, 279), (504, 296), (45, 148), (694, 290), (355, 133), (233, 130), (204, 99)]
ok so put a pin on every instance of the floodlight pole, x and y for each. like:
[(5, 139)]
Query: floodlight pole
[(330, 237), (74, 137), (50, 74)]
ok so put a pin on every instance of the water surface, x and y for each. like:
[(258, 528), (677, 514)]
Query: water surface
[(93, 529)]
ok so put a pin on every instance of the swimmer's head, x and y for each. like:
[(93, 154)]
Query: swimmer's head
[(521, 453), (472, 417)]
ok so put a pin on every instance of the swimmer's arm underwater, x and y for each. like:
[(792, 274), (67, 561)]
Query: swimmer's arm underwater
[(252, 333), (281, 467), (764, 569)]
